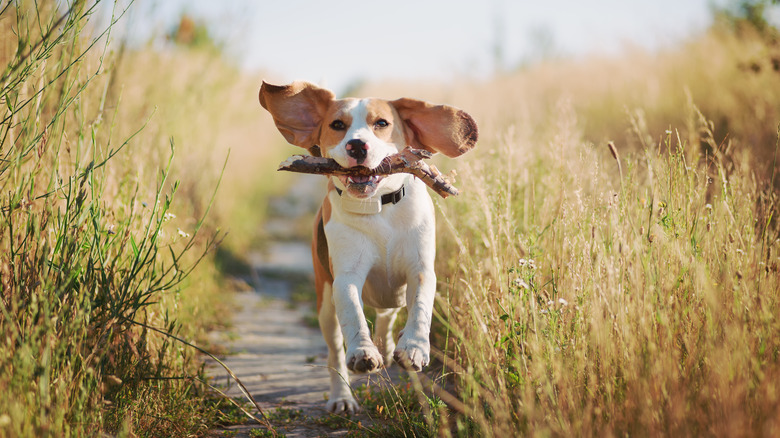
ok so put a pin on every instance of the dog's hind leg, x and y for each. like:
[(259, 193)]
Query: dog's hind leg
[(383, 333), (413, 350), (341, 399)]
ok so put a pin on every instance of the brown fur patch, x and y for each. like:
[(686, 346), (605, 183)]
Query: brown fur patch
[(297, 110), (323, 272), (437, 128), (329, 137)]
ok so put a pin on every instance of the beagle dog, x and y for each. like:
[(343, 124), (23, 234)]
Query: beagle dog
[(374, 237)]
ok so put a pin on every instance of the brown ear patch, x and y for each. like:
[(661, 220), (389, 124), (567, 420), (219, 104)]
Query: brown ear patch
[(297, 110), (469, 132), (437, 128)]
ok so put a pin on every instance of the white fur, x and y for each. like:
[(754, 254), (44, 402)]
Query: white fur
[(378, 260), (385, 261)]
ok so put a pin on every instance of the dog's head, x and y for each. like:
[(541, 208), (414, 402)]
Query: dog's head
[(362, 132)]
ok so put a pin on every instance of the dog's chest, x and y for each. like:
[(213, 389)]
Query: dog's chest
[(390, 247), (386, 281)]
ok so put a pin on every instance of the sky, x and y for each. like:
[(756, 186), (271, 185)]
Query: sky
[(339, 42)]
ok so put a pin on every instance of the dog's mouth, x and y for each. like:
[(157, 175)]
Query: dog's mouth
[(360, 186)]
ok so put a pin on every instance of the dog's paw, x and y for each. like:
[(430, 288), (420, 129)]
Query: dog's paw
[(364, 359), (343, 405), (412, 354)]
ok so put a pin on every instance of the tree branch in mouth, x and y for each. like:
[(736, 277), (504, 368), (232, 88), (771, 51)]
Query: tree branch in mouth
[(408, 160)]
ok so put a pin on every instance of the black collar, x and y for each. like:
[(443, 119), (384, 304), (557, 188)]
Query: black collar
[(388, 198)]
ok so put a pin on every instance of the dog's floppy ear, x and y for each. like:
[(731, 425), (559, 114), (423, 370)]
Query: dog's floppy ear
[(297, 109), (437, 128)]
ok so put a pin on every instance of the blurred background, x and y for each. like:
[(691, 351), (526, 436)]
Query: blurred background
[(350, 42), (200, 63)]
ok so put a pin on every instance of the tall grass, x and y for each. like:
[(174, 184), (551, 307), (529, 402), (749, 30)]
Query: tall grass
[(581, 303), (210, 107), (630, 289), (89, 246), (583, 290)]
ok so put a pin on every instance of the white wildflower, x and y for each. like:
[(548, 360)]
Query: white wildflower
[(519, 282), (182, 233)]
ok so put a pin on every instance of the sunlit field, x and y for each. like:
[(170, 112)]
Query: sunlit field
[(579, 301), (610, 268), (114, 201)]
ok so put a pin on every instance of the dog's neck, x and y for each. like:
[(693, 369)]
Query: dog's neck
[(372, 205)]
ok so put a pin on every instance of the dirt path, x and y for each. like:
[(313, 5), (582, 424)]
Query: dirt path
[(278, 356)]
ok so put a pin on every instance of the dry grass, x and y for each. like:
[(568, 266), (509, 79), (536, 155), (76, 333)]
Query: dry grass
[(624, 290), (595, 309), (577, 296), (100, 225), (579, 302), (211, 110)]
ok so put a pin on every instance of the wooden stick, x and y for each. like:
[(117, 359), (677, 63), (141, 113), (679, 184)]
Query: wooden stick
[(408, 160)]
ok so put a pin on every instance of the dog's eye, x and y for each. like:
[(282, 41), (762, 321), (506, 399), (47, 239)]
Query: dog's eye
[(381, 123), (338, 125)]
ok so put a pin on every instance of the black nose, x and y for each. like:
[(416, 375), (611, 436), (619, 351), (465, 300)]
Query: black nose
[(357, 149)]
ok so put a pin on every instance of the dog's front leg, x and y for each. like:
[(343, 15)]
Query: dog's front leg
[(362, 355), (413, 349)]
